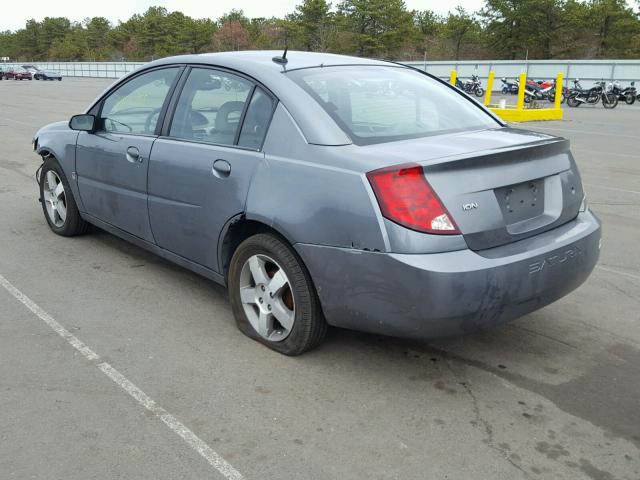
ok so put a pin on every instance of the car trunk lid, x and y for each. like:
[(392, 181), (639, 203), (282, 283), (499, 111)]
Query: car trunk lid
[(501, 195)]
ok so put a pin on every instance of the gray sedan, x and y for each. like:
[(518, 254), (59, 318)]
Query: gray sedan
[(325, 190)]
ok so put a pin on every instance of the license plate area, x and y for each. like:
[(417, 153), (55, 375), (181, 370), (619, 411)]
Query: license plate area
[(522, 201)]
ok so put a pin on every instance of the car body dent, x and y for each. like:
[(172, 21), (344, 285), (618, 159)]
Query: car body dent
[(59, 140), (445, 294)]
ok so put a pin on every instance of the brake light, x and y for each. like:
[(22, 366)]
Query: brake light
[(405, 197)]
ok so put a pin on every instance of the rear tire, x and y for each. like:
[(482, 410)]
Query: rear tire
[(254, 265), (572, 101), (59, 206)]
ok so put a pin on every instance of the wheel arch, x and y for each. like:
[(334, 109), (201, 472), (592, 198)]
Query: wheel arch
[(235, 231)]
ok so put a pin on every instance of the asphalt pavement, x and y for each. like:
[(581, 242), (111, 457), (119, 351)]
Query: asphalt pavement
[(553, 395)]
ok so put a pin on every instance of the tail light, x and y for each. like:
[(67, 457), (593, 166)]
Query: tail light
[(405, 197)]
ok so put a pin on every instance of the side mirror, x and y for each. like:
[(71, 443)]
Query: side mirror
[(83, 123)]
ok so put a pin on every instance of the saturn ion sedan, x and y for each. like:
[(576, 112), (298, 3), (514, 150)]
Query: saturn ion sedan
[(325, 190)]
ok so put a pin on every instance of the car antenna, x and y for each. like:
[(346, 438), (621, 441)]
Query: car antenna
[(283, 59)]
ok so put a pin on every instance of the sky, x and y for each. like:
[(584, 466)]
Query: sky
[(16, 13)]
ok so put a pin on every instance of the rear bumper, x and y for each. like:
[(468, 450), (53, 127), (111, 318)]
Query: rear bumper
[(444, 294)]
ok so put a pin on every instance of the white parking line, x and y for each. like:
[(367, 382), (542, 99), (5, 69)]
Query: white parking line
[(213, 458)]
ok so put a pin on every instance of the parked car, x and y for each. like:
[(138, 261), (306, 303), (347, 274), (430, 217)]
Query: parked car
[(39, 74), (17, 73), (323, 189)]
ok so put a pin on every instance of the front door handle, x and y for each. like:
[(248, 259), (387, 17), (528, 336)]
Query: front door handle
[(133, 155), (221, 168)]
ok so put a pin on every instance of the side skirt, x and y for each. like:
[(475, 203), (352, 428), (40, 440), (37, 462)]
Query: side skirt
[(161, 252)]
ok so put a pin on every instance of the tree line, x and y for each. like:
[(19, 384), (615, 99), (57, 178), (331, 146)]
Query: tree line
[(502, 29)]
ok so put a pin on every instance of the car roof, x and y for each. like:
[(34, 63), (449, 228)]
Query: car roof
[(250, 59)]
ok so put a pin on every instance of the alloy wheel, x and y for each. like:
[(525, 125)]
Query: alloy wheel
[(267, 299), (55, 198)]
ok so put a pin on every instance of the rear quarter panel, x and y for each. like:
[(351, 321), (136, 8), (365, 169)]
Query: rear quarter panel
[(308, 200)]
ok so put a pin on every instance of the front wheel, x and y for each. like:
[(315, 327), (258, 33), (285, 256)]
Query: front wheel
[(479, 92), (609, 100), (629, 98), (272, 296), (59, 207)]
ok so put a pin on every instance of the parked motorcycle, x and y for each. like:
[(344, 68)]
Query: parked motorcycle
[(474, 86), (628, 94), (509, 87), (535, 91), (592, 96)]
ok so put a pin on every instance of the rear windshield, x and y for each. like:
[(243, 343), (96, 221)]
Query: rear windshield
[(375, 104)]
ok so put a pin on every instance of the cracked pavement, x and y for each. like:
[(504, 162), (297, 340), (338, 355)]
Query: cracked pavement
[(555, 394)]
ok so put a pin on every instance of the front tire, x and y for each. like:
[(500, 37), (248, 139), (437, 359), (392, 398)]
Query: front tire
[(272, 296), (479, 92), (629, 98), (59, 206), (609, 100)]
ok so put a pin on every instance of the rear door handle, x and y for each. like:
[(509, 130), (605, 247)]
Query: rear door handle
[(133, 155), (221, 168)]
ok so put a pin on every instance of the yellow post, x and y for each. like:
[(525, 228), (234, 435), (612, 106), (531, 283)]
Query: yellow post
[(523, 83), (559, 88), (452, 78), (487, 94)]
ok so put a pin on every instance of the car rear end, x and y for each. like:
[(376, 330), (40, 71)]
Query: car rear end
[(482, 223)]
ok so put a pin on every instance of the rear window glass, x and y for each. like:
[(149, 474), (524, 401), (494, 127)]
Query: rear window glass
[(374, 104)]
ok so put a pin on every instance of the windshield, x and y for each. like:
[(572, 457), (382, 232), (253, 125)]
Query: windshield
[(374, 104)]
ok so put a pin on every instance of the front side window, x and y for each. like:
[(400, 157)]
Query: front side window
[(135, 106), (374, 104), (210, 107)]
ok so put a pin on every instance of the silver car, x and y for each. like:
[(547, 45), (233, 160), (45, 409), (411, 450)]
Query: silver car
[(325, 190)]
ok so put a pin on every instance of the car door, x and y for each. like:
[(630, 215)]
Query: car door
[(112, 163), (200, 170)]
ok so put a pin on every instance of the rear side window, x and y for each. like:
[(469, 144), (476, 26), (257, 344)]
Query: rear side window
[(256, 120), (374, 104), (210, 107)]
